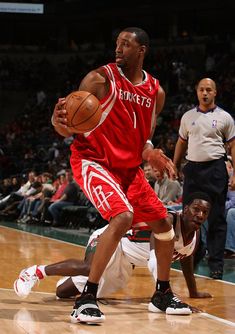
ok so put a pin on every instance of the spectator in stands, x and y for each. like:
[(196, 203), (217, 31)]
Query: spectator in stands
[(42, 214), (15, 183), (230, 239), (29, 205), (12, 209), (230, 216), (5, 187), (169, 147), (53, 152), (168, 190), (18, 195), (149, 173), (68, 197)]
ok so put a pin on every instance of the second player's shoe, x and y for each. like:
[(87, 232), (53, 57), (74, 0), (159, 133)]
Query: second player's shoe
[(86, 310), (26, 281), (167, 302)]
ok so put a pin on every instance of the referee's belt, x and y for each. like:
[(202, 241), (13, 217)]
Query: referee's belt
[(206, 162)]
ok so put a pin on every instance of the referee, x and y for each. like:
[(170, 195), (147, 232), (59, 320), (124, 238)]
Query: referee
[(203, 132)]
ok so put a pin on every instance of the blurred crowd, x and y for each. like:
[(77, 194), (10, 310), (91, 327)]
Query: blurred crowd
[(28, 140), (29, 144)]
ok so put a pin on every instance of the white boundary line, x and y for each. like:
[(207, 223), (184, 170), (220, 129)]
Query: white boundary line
[(202, 276), (37, 292), (42, 236), (227, 322)]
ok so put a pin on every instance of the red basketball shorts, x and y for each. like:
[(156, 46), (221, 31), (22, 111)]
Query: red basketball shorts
[(105, 189)]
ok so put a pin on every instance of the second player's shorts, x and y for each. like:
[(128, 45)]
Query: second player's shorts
[(120, 266)]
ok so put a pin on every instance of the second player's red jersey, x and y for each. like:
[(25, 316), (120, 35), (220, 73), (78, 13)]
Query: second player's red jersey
[(128, 113)]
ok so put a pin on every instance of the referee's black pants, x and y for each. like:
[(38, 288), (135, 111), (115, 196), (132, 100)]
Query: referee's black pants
[(210, 177)]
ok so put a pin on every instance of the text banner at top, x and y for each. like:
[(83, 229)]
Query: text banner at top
[(23, 8)]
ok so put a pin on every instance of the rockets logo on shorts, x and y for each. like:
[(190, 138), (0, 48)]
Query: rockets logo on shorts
[(102, 197)]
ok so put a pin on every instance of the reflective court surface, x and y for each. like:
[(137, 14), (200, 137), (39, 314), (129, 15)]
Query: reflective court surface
[(126, 311)]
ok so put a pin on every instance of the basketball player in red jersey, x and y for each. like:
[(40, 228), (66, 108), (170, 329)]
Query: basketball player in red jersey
[(106, 162)]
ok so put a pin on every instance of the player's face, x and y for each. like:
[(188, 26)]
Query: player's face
[(206, 93), (128, 50), (196, 214)]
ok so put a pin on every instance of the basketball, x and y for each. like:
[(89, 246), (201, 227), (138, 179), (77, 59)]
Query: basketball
[(83, 111)]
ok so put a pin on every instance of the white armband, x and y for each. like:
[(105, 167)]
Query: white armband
[(165, 236), (149, 142), (52, 121)]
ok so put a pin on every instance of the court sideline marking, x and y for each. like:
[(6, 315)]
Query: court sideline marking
[(213, 317)]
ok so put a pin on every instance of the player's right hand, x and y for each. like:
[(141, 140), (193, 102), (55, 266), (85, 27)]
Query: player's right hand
[(59, 117), (160, 161)]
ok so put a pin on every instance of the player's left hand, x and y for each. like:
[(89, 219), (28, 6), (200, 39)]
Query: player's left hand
[(160, 161), (195, 309), (201, 295)]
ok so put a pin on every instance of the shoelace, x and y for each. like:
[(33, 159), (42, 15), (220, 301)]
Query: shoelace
[(176, 299)]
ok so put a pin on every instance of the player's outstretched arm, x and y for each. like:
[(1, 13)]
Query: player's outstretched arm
[(187, 268)]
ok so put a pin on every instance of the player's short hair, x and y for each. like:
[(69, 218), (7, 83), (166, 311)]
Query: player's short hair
[(141, 36), (197, 195)]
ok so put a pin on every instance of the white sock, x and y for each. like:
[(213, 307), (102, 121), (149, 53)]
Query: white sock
[(152, 264)]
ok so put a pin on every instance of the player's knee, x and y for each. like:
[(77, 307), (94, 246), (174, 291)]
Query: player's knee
[(61, 292), (122, 222), (65, 288)]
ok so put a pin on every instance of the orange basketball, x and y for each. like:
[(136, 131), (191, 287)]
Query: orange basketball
[(83, 111)]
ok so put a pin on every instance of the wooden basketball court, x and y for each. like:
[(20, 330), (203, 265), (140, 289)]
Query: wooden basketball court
[(126, 311)]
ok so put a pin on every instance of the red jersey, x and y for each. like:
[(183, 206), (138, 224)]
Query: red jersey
[(125, 125)]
